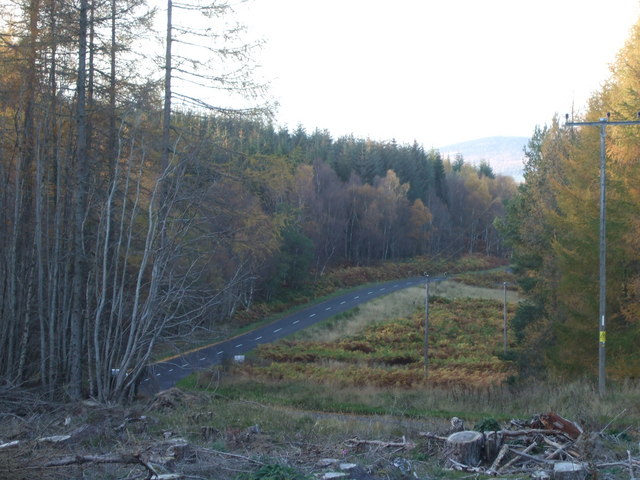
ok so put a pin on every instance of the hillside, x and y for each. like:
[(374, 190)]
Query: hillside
[(228, 426), (504, 154)]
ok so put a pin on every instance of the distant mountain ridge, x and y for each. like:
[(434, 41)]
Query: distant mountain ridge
[(504, 154)]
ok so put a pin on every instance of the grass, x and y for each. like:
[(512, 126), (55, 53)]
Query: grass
[(369, 347), (345, 363), (265, 401), (297, 385), (397, 304), (322, 385), (337, 282)]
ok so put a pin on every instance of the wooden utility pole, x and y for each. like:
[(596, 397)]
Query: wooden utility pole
[(426, 327), (504, 285), (603, 123)]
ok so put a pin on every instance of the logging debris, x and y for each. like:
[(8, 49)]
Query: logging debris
[(547, 446)]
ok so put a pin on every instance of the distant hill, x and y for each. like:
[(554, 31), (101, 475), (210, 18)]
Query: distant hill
[(504, 154)]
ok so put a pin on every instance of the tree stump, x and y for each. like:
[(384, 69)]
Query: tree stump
[(492, 445), (569, 471), (465, 447)]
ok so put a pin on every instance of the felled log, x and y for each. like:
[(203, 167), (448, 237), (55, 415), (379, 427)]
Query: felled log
[(432, 436), (403, 444), (515, 459), (493, 469), (465, 448), (558, 448), (126, 459)]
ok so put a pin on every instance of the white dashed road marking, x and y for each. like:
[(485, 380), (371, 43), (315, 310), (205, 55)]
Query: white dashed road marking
[(297, 321), (277, 330)]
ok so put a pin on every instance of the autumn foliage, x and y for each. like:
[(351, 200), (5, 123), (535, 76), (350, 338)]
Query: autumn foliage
[(465, 341), (553, 225), (133, 212)]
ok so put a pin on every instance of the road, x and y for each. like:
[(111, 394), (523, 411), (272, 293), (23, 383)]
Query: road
[(165, 374)]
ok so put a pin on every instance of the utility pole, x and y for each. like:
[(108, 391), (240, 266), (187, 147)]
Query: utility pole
[(603, 123), (426, 326), (504, 285)]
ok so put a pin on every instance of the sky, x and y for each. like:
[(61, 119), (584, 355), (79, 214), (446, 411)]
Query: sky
[(435, 72)]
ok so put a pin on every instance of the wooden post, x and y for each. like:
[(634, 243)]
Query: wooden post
[(426, 328), (505, 318)]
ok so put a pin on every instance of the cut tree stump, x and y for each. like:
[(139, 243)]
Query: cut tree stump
[(465, 447), (569, 471), (492, 444)]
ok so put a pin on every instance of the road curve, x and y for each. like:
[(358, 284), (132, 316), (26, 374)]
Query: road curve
[(165, 374)]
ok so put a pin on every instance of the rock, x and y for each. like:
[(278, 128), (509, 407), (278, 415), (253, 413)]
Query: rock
[(348, 466), (457, 425), (402, 464), (254, 429)]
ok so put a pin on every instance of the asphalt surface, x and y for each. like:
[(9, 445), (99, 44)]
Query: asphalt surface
[(165, 374)]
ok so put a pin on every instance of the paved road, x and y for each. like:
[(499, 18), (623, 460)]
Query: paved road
[(165, 374)]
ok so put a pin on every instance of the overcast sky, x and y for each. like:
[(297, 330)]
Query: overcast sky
[(438, 72)]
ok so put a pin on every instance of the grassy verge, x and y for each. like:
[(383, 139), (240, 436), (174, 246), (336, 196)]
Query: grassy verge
[(578, 401)]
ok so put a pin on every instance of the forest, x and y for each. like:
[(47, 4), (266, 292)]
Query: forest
[(133, 211), (552, 224)]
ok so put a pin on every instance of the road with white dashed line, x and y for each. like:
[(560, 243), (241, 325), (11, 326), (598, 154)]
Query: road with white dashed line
[(165, 374)]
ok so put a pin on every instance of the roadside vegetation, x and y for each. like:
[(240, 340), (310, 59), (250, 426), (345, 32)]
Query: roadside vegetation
[(282, 414), (333, 282), (380, 346)]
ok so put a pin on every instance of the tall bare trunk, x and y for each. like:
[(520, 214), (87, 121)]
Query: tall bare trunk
[(79, 264)]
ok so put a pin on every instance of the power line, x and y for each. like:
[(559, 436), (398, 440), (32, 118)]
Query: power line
[(603, 123)]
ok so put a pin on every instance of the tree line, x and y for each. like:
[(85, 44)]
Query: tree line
[(553, 221), (128, 217)]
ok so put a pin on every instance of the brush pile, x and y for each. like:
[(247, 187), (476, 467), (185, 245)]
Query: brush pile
[(547, 446)]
